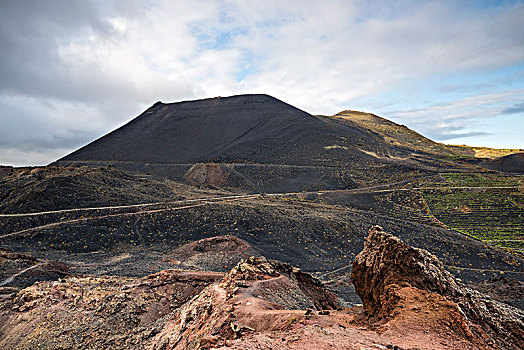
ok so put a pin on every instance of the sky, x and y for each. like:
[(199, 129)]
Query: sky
[(73, 70)]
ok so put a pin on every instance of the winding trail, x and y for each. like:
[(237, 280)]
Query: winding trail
[(12, 278), (182, 201), (220, 199), (377, 188), (205, 202), (448, 267), (199, 202)]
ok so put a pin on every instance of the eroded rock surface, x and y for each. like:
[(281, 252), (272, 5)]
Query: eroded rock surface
[(410, 302), (103, 312), (387, 267)]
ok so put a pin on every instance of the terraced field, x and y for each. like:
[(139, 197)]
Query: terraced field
[(488, 207)]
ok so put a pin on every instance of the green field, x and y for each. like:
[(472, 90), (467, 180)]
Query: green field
[(488, 207)]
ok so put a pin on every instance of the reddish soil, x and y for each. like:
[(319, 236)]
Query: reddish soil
[(218, 253), (209, 174), (262, 304)]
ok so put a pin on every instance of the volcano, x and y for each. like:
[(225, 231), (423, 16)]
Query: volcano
[(237, 129)]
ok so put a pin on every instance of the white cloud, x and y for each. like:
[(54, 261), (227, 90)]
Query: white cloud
[(105, 61), (464, 117)]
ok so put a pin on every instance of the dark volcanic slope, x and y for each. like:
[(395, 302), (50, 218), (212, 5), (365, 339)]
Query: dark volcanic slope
[(53, 188), (513, 163), (245, 128)]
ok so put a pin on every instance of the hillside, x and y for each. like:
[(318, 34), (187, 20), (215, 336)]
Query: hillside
[(317, 232), (57, 188), (200, 185), (511, 163), (409, 300), (265, 145), (402, 137), (395, 135), (237, 129)]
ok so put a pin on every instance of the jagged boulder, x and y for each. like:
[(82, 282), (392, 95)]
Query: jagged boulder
[(387, 264)]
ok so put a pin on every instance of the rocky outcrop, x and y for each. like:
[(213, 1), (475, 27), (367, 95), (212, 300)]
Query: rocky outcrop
[(386, 265), (103, 312), (237, 304), (171, 309), (299, 289), (410, 301)]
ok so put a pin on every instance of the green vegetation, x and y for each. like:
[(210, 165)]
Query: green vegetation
[(481, 208), (481, 180)]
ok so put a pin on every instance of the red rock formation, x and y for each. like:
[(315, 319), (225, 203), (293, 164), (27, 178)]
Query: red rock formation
[(261, 304), (222, 311), (103, 312), (387, 268)]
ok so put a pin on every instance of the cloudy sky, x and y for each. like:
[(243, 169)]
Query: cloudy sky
[(71, 71)]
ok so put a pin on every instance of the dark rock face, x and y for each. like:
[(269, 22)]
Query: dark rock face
[(504, 289), (386, 261)]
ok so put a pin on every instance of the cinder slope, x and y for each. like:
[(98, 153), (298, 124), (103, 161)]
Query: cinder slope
[(265, 145), (513, 163), (244, 128), (54, 188)]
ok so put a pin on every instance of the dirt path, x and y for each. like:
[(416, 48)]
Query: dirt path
[(221, 199), (215, 200), (483, 270), (336, 270), (12, 278), (189, 201), (183, 201), (54, 224), (451, 188), (449, 267)]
